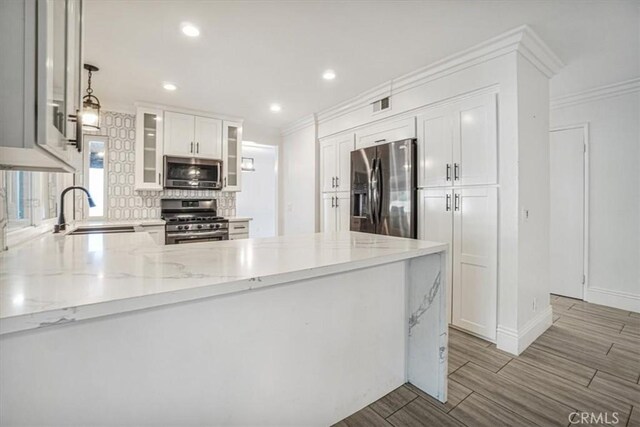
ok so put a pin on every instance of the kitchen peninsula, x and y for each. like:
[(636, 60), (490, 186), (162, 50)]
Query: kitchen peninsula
[(295, 330)]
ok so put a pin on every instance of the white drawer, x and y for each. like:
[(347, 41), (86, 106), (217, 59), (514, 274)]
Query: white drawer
[(238, 236), (241, 227)]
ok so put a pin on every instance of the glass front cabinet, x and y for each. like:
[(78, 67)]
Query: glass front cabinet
[(149, 150), (231, 155), (42, 40)]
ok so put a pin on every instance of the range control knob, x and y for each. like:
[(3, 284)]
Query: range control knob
[(199, 226), (186, 227), (179, 227)]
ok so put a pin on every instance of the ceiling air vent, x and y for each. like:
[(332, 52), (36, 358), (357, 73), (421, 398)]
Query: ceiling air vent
[(381, 104)]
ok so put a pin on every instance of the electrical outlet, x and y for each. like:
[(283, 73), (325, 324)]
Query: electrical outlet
[(525, 214)]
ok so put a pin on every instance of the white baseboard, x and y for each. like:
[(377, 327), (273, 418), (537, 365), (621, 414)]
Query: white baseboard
[(516, 341), (616, 299)]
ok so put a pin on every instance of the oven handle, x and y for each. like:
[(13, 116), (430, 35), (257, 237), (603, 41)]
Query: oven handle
[(197, 234)]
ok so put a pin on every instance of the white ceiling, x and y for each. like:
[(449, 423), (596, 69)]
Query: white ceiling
[(253, 53)]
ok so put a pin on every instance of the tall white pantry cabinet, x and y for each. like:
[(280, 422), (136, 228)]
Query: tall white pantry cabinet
[(458, 203), (335, 184)]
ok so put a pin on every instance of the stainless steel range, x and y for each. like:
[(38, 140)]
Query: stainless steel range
[(193, 220)]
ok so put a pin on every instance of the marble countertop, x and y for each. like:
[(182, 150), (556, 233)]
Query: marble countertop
[(117, 223), (238, 218), (56, 279)]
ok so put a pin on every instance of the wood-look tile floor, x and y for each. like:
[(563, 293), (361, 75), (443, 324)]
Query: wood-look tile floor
[(587, 361)]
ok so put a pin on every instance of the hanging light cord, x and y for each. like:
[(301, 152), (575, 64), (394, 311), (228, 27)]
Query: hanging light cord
[(89, 90)]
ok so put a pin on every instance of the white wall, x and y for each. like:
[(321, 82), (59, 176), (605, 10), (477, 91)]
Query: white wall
[(261, 134), (298, 179), (614, 195), (258, 198)]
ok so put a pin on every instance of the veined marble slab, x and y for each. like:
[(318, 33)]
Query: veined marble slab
[(57, 279)]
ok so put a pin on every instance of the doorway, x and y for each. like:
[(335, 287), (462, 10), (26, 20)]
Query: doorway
[(568, 210), (258, 198)]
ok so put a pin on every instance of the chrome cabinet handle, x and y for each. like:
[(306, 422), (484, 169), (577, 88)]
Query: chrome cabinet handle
[(337, 202), (332, 205), (448, 172), (198, 147), (225, 182), (456, 202), (379, 141), (191, 150), (159, 180), (333, 182), (448, 203), (337, 182), (456, 172)]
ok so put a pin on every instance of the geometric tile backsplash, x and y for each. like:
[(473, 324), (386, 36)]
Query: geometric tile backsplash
[(124, 202)]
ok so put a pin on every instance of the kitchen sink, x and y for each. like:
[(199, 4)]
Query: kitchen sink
[(104, 230)]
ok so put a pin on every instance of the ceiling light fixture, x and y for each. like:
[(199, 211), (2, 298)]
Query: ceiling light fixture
[(169, 86), (329, 75), (90, 104), (190, 30), (276, 108)]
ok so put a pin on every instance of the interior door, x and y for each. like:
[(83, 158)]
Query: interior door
[(475, 241), (396, 189), (362, 162), (344, 147), (208, 138), (179, 134), (475, 141), (328, 212), (436, 224), (435, 139), (567, 212), (328, 165)]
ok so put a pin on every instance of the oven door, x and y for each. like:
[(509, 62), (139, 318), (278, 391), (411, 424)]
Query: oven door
[(176, 238), (187, 172)]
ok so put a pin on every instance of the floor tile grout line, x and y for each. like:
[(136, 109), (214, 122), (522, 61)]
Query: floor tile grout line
[(456, 370), (609, 349), (591, 380), (580, 363), (391, 414)]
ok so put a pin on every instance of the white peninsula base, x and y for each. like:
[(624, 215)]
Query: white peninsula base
[(307, 352)]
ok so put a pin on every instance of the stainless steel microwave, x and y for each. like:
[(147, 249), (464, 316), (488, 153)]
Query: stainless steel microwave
[(192, 173)]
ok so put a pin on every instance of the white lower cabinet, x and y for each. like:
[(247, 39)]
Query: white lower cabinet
[(238, 230), (466, 219), (335, 211)]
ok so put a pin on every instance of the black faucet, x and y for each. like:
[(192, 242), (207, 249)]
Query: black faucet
[(62, 224)]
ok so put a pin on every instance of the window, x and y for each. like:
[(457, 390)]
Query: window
[(31, 197), (96, 175)]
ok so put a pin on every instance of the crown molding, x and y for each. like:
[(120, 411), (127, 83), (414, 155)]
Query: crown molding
[(301, 123), (521, 39), (596, 94)]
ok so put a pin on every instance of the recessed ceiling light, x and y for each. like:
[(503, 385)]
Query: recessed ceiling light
[(190, 30), (275, 108), (329, 75), (169, 86)]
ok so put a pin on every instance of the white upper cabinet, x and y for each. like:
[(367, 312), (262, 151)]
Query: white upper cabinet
[(187, 135), (179, 134), (208, 138), (457, 143), (387, 131), (41, 79), (231, 156), (475, 141), (435, 152), (328, 166), (335, 163), (149, 149)]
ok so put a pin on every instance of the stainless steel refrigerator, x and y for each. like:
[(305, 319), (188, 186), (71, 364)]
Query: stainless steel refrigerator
[(383, 189)]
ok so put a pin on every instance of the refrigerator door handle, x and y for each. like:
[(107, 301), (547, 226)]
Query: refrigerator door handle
[(372, 191), (379, 190)]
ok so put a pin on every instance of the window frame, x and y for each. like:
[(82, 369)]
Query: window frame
[(86, 140)]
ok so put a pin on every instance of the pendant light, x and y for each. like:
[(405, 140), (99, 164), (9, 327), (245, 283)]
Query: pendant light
[(90, 104)]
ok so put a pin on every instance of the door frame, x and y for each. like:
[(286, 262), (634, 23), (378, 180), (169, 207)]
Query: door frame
[(585, 208)]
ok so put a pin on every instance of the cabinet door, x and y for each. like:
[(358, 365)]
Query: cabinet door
[(475, 141), (343, 213), (328, 167), (231, 156), (328, 218), (179, 137), (387, 131), (475, 233), (149, 150), (435, 223), (344, 146), (435, 149), (208, 138)]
